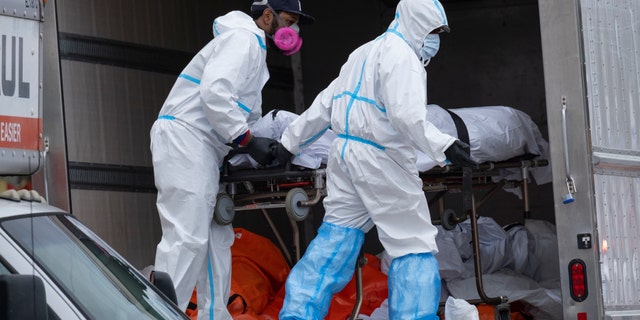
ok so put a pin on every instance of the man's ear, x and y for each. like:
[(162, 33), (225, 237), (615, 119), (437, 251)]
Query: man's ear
[(267, 16)]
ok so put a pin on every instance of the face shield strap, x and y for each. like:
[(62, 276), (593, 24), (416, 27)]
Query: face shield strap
[(280, 21)]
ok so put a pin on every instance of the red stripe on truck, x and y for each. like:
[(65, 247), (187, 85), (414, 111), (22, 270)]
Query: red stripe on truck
[(19, 132)]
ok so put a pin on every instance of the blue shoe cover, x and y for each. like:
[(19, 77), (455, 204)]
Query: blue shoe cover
[(414, 287), (326, 267)]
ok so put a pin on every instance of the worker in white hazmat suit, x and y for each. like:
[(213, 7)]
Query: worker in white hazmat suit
[(376, 108), (212, 104)]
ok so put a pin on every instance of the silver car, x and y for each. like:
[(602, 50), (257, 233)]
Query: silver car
[(76, 272)]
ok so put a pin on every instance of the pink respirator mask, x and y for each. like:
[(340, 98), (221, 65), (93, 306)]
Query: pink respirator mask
[(286, 38)]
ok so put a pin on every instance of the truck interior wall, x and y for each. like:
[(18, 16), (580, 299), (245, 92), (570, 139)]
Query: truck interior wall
[(492, 56)]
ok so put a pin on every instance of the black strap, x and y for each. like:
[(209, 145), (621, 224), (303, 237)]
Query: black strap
[(467, 179), (513, 225), (461, 128), (234, 297), (274, 113)]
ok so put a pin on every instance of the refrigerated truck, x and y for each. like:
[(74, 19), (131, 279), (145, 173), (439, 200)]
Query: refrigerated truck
[(591, 58)]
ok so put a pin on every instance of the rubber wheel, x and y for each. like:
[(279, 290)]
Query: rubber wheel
[(448, 219), (292, 204), (223, 212)]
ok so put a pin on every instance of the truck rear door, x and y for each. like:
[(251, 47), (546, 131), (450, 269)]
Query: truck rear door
[(591, 53)]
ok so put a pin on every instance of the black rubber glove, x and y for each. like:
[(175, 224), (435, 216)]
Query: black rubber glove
[(458, 154), (261, 149), (281, 154)]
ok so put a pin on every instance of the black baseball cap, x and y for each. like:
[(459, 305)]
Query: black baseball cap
[(292, 6)]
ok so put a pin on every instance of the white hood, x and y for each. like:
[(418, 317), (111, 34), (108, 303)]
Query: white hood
[(415, 19), (235, 20)]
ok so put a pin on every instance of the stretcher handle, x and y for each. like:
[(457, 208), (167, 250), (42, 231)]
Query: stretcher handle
[(467, 192), (360, 262), (478, 264)]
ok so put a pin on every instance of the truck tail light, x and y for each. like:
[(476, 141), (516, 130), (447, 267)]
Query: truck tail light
[(578, 280)]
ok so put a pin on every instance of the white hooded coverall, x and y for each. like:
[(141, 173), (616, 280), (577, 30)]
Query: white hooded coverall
[(214, 100), (376, 106)]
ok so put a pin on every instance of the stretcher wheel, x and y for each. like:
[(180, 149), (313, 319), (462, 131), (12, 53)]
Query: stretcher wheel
[(224, 211), (292, 204), (448, 219), (503, 312)]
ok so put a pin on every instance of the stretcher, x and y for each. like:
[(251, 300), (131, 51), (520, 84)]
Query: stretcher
[(438, 182), (297, 189)]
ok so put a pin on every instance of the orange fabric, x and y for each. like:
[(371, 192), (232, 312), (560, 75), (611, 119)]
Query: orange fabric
[(258, 271), (264, 253), (374, 290), (271, 311), (192, 313), (487, 312), (251, 284), (249, 315)]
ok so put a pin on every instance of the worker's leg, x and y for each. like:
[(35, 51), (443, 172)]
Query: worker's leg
[(397, 205), (185, 204), (326, 267), (414, 287), (215, 281)]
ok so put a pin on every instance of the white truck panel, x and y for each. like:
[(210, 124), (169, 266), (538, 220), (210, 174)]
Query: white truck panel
[(20, 87), (26, 9), (619, 233), (19, 43), (612, 66), (612, 61)]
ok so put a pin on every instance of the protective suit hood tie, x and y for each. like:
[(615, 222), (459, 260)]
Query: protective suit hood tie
[(286, 38)]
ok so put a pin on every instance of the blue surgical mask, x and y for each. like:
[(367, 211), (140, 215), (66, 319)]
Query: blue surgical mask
[(429, 48)]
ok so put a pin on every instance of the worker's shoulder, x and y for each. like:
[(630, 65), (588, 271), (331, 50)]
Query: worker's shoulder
[(240, 36)]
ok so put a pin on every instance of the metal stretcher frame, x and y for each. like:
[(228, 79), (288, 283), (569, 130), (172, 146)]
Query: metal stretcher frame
[(293, 189), (448, 179), (297, 190)]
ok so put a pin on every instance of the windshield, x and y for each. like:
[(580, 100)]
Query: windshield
[(92, 274)]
